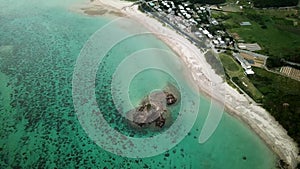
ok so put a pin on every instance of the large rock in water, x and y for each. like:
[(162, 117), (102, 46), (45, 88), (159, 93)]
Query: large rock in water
[(152, 109), (170, 98)]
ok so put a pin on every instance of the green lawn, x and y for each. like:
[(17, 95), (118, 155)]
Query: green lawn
[(236, 73), (230, 63), (278, 37)]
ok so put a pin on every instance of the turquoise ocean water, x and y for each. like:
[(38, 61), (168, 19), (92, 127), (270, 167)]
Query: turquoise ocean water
[(39, 44)]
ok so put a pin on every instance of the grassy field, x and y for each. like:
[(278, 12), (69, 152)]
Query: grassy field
[(279, 95), (277, 31), (230, 65), (281, 99), (236, 73)]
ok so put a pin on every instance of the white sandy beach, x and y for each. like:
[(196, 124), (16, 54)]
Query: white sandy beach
[(237, 104)]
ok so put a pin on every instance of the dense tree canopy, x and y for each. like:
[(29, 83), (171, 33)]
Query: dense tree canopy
[(274, 3)]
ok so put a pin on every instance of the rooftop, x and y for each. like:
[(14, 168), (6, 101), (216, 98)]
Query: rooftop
[(245, 23)]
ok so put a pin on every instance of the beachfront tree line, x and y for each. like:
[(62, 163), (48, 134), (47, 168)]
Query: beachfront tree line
[(274, 3), (281, 99)]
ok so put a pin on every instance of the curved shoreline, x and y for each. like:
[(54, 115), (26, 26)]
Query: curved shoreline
[(257, 118)]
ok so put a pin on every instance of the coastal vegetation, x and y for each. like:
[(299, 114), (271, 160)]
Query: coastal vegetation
[(214, 62), (274, 3), (235, 73), (278, 94), (281, 99), (276, 31)]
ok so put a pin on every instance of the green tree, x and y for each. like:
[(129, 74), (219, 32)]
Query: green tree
[(274, 3)]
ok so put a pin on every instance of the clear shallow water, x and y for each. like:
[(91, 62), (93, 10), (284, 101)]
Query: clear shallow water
[(39, 45)]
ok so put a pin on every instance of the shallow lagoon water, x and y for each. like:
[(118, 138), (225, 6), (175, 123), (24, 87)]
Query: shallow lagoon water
[(39, 45)]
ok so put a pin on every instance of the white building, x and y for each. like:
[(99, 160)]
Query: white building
[(210, 36), (216, 42), (214, 22), (205, 32), (180, 7), (244, 63)]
